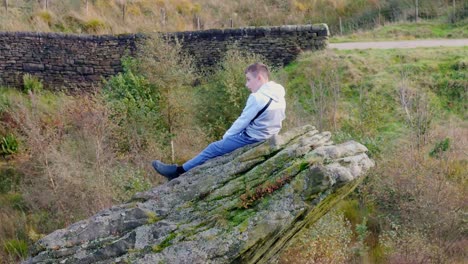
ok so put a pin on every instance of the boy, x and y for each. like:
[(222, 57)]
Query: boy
[(260, 120)]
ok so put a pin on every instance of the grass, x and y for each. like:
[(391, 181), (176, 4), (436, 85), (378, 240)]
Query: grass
[(165, 243), (70, 141), (65, 149), (370, 111), (71, 16), (430, 29)]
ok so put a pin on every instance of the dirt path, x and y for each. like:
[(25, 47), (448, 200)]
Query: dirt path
[(400, 44)]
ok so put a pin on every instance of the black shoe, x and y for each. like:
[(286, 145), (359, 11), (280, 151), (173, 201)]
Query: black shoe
[(167, 170)]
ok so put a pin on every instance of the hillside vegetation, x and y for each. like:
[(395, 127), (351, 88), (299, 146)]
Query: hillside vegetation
[(408, 31), (127, 16), (66, 157)]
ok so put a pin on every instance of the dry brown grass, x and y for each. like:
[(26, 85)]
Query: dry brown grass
[(423, 199), (327, 241), (13, 223), (72, 168), (180, 15)]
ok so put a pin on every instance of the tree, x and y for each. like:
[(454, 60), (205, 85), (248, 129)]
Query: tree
[(171, 73)]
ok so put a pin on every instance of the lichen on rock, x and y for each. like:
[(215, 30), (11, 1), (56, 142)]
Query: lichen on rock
[(242, 207)]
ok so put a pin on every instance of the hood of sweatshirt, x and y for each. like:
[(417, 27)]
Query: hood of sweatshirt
[(273, 90)]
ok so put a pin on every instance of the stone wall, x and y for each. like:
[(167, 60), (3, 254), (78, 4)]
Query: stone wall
[(79, 62)]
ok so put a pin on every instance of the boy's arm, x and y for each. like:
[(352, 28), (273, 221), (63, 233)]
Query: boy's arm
[(249, 112)]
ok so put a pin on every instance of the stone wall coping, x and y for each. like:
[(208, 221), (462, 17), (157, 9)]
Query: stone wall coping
[(246, 31)]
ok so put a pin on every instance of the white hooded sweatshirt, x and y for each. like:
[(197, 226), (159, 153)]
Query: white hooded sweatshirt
[(269, 122)]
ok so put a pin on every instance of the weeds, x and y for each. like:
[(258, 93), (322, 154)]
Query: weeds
[(82, 154), (17, 248), (248, 198), (440, 147), (94, 26), (420, 199), (8, 145), (179, 15), (31, 84), (327, 241)]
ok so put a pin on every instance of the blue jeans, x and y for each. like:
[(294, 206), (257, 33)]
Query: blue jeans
[(220, 148)]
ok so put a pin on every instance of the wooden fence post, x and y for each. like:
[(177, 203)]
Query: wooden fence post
[(454, 18), (163, 16), (124, 6), (417, 11), (341, 27), (380, 16)]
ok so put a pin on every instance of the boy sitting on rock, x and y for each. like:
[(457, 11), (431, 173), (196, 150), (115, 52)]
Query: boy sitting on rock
[(260, 120)]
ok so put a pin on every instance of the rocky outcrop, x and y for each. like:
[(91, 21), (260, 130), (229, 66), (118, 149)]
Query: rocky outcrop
[(242, 207)]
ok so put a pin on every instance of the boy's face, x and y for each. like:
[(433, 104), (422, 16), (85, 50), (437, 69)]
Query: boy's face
[(253, 82)]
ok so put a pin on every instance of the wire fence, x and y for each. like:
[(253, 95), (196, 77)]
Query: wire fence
[(391, 14), (386, 12)]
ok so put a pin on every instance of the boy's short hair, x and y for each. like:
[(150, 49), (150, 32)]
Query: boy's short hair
[(258, 68)]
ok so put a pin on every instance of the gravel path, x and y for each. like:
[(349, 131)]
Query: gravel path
[(400, 44)]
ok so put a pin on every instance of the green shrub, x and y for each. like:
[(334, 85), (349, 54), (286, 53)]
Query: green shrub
[(440, 147), (16, 248), (45, 16), (134, 107), (8, 145), (127, 181), (94, 26), (45, 221), (226, 93), (4, 103), (15, 201), (361, 230), (450, 82), (9, 179), (32, 83)]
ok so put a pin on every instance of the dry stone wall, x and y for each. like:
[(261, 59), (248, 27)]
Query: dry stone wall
[(80, 62)]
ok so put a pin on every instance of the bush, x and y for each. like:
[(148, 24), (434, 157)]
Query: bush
[(171, 73), (93, 26), (31, 83), (226, 93), (409, 246), (440, 147), (45, 16), (127, 181), (134, 106), (15, 201), (449, 83), (9, 179), (418, 198)]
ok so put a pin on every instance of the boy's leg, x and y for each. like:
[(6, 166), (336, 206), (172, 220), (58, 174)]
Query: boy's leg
[(219, 148)]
